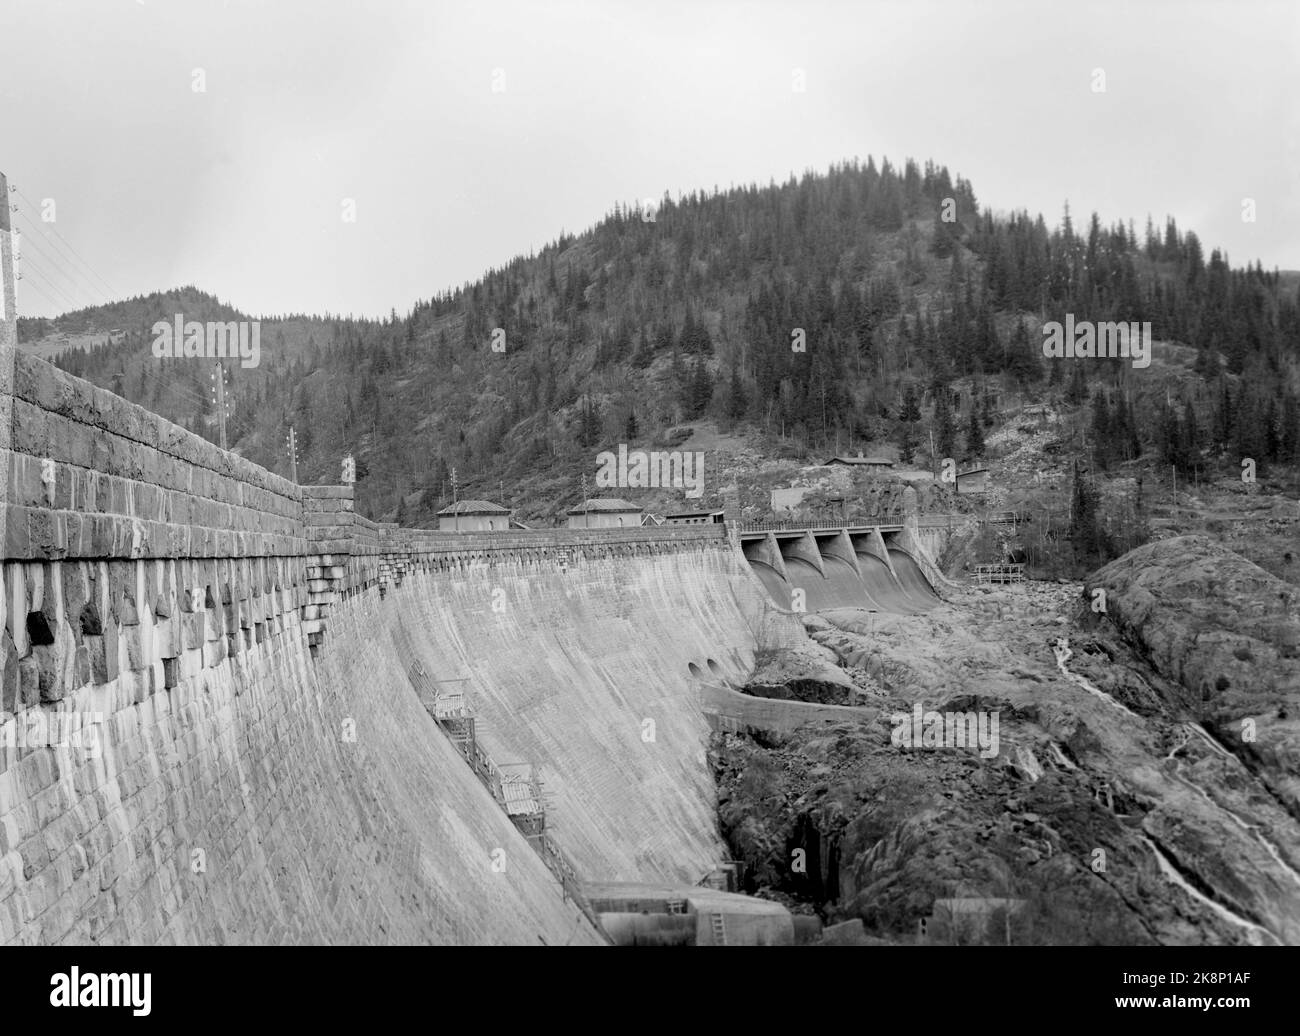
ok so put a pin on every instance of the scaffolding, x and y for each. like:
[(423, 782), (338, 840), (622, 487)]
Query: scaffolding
[(999, 573)]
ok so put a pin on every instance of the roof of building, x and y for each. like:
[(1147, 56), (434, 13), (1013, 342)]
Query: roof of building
[(884, 462), (694, 514), (474, 507), (520, 795), (606, 504), (970, 471)]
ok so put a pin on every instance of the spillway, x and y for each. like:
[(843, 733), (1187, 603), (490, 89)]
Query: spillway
[(873, 586), (914, 583)]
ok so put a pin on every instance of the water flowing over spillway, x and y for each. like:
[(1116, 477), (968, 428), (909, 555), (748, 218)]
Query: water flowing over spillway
[(903, 591)]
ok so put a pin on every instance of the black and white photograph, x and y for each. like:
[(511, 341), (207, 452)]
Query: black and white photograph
[(630, 474)]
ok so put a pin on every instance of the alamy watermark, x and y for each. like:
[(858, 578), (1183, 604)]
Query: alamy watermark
[(654, 470), (921, 729), (215, 340), (36, 728), (102, 989), (1086, 340)]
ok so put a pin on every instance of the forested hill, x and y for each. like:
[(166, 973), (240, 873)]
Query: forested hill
[(833, 310)]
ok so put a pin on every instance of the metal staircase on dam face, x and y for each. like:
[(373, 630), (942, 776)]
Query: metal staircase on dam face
[(519, 795)]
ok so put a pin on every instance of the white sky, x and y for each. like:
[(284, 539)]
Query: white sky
[(239, 190)]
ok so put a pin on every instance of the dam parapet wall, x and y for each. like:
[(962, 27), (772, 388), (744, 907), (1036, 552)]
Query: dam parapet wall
[(90, 475)]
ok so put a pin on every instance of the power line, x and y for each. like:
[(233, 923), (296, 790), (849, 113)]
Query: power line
[(30, 268), (29, 242), (60, 261), (187, 394), (38, 291), (112, 291)]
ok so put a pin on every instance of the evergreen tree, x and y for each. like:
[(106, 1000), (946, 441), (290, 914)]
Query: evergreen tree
[(945, 427), (1191, 439), (697, 389), (943, 242), (1024, 361), (1085, 536), (737, 403), (974, 436), (910, 410), (1249, 438), (1076, 391), (589, 422), (906, 441), (909, 413), (1289, 452), (1101, 431)]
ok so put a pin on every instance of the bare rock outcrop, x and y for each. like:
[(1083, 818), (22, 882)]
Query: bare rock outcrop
[(1227, 634)]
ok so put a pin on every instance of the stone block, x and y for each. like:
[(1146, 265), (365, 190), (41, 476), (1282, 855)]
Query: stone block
[(98, 660), (112, 659), (9, 674), (192, 630), (29, 682)]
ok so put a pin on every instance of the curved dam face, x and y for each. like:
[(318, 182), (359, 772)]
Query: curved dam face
[(585, 675), (249, 784)]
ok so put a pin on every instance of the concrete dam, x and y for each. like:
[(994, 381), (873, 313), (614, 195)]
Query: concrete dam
[(220, 695)]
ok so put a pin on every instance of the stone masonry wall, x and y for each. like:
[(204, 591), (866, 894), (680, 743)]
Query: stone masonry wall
[(93, 476)]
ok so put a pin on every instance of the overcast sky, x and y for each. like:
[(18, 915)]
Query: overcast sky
[(240, 189)]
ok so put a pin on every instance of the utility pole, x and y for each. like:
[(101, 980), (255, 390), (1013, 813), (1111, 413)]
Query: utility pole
[(291, 441), (455, 509), (218, 377), (8, 341), (586, 514)]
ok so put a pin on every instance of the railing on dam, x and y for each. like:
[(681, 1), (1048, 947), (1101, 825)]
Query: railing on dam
[(833, 526), (428, 541), (925, 521)]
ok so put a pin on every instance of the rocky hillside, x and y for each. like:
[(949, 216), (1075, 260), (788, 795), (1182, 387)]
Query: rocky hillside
[(1124, 804)]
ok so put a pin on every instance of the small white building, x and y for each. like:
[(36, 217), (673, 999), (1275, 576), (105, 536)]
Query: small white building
[(786, 500), (696, 517), (973, 482), (474, 516), (606, 513)]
